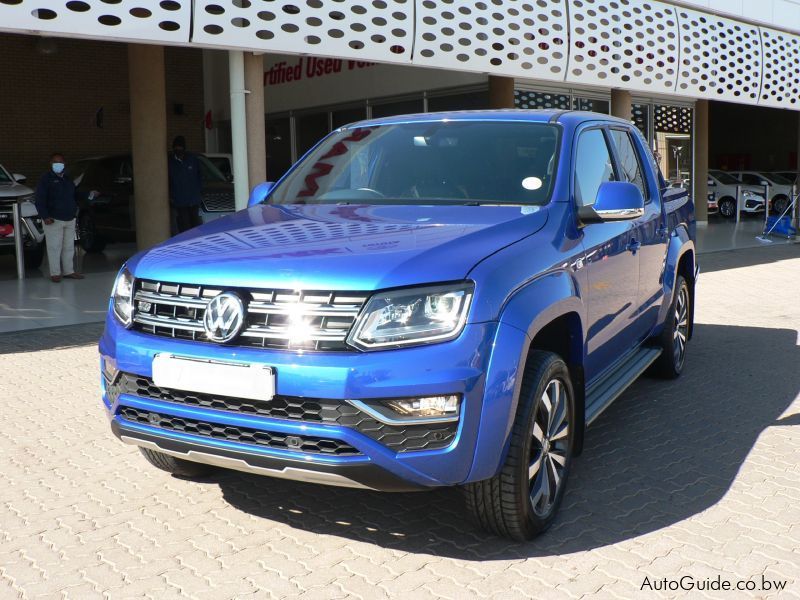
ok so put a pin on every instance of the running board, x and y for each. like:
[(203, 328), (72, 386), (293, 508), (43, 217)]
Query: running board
[(601, 394)]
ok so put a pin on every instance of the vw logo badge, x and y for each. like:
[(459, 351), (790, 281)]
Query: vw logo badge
[(224, 317)]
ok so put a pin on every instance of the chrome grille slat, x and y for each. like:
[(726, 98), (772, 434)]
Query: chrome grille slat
[(177, 310)]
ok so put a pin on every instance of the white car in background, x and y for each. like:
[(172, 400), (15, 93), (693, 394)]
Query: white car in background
[(780, 188), (722, 195), (11, 191)]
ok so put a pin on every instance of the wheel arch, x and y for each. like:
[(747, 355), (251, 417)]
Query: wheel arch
[(546, 314)]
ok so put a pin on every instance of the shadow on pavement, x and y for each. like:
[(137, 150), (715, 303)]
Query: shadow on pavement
[(757, 255), (663, 452), (50, 338)]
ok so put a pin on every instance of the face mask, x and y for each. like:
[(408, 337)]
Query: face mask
[(58, 168)]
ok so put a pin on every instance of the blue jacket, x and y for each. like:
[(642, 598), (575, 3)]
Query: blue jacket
[(55, 197), (185, 180)]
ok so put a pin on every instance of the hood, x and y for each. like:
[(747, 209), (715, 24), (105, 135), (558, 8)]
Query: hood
[(14, 190), (338, 247)]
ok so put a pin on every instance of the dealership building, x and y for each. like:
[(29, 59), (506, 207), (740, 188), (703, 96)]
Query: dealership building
[(711, 83)]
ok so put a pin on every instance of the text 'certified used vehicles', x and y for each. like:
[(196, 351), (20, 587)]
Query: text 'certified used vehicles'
[(422, 301)]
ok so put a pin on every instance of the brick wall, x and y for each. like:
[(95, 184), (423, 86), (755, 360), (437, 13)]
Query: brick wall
[(49, 102)]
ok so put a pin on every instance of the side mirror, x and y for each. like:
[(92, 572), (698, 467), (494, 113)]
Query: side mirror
[(615, 201), (19, 178), (764, 182), (711, 183), (260, 193)]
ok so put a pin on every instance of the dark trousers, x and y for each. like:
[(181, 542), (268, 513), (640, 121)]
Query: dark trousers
[(187, 217)]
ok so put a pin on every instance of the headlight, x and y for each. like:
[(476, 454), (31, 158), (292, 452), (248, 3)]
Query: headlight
[(29, 198), (122, 297), (412, 316)]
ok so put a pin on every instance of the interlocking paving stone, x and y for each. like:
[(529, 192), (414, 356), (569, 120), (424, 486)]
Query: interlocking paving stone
[(695, 477)]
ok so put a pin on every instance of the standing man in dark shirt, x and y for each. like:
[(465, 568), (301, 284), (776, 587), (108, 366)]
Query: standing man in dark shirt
[(55, 202), (185, 185)]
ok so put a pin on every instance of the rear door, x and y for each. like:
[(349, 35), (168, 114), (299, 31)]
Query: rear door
[(612, 268), (649, 236)]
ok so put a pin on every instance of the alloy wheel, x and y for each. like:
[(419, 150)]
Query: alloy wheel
[(549, 447), (681, 330)]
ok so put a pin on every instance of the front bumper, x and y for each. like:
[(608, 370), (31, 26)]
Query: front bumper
[(332, 451)]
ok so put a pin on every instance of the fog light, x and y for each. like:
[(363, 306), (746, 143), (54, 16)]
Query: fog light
[(432, 406)]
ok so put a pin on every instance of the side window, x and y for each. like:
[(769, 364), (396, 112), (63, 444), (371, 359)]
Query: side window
[(751, 179), (630, 167), (593, 166)]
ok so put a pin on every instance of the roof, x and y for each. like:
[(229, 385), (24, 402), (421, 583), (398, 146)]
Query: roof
[(572, 117)]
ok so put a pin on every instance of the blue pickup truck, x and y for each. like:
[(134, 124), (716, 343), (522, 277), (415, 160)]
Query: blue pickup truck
[(421, 301)]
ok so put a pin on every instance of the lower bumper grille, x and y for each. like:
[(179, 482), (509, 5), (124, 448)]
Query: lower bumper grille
[(311, 410), (242, 435)]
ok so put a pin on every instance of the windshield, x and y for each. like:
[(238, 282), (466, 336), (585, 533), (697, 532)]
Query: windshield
[(209, 171), (724, 178), (4, 175), (776, 179), (444, 162)]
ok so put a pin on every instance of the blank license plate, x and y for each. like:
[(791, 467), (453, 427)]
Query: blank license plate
[(238, 380)]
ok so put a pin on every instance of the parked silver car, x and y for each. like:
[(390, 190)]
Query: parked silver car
[(12, 190)]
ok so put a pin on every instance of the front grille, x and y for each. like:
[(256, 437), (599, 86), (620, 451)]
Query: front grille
[(242, 435), (218, 201), (292, 408), (276, 319)]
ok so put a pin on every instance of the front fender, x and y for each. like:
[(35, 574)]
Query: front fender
[(679, 244), (531, 308)]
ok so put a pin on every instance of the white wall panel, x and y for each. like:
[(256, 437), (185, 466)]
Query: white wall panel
[(780, 84), (148, 20), (522, 39), (720, 58), (632, 44), (379, 30)]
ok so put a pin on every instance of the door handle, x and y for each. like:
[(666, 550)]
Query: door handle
[(634, 245)]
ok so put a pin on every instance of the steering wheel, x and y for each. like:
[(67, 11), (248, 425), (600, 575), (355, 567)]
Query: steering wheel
[(374, 193)]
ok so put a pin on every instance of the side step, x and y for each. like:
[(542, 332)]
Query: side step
[(601, 394)]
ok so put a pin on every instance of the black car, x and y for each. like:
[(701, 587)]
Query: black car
[(110, 217)]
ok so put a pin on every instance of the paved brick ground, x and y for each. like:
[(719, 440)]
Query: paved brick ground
[(696, 478)]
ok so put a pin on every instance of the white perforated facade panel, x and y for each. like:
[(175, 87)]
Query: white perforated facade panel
[(379, 30), (522, 39), (720, 58), (632, 44), (780, 82), (146, 20)]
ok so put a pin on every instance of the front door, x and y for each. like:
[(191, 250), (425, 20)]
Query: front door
[(649, 232), (611, 261)]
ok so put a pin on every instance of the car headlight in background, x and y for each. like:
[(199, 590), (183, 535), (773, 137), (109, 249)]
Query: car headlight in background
[(412, 316), (122, 297)]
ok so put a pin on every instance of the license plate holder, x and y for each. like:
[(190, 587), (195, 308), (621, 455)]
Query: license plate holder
[(220, 378)]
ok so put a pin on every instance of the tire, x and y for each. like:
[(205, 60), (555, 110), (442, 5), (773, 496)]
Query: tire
[(779, 205), (675, 335), (34, 255), (176, 466), (727, 207), (513, 504), (88, 237)]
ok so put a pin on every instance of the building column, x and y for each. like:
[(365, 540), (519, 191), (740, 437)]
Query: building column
[(148, 100), (256, 128), (501, 92), (241, 185), (621, 105), (700, 175)]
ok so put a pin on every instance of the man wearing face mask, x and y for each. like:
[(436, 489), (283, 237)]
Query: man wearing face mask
[(185, 185), (55, 202)]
